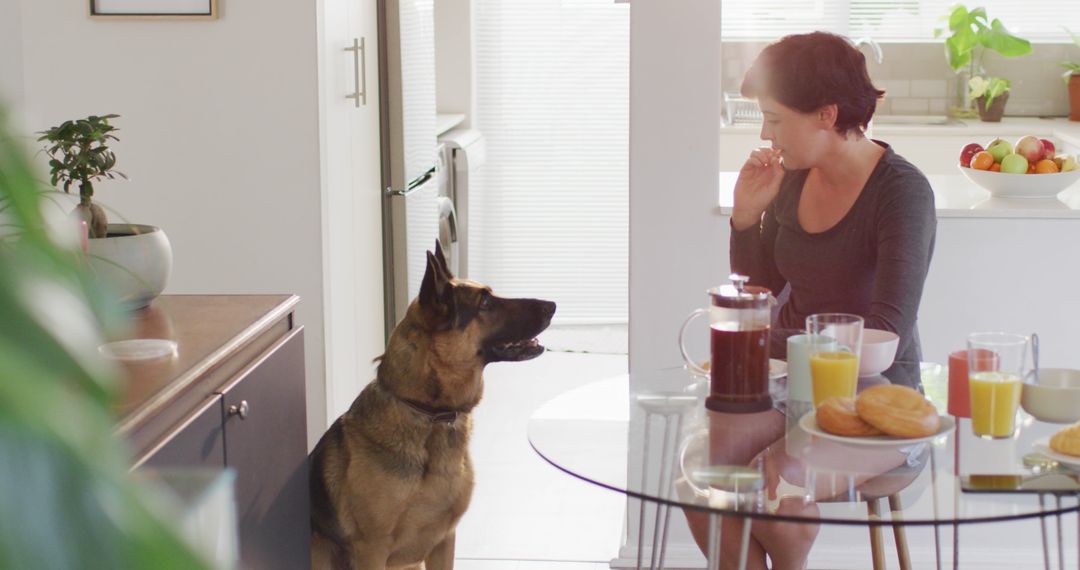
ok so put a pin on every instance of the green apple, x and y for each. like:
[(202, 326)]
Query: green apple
[(1068, 163), (999, 148), (1014, 164)]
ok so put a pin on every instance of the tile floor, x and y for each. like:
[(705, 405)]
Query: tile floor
[(525, 514)]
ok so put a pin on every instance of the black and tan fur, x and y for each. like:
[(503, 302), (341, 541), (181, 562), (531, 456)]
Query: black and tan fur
[(392, 477)]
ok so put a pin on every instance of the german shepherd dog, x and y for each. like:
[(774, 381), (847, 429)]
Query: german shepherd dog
[(392, 476)]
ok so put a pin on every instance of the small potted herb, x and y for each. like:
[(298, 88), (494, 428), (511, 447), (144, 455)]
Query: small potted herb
[(79, 154), (134, 260)]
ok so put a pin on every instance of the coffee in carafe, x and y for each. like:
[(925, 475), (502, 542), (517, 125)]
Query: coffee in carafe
[(739, 316)]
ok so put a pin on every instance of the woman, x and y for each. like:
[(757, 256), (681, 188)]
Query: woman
[(842, 221)]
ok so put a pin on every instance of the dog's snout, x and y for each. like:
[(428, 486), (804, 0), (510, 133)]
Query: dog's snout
[(548, 309)]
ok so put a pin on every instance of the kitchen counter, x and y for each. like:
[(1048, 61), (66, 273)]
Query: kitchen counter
[(957, 197), (935, 148), (1059, 127)]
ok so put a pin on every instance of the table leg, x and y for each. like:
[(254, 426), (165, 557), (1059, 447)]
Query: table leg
[(644, 485), (744, 545), (1042, 526), (714, 542), (955, 546), (661, 491), (667, 508), (1061, 546)]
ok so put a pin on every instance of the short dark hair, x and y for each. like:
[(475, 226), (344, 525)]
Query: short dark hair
[(808, 71)]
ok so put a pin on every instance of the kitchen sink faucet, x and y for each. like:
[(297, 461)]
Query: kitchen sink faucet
[(878, 56)]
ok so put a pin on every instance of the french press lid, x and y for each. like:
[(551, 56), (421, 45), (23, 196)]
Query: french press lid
[(739, 295)]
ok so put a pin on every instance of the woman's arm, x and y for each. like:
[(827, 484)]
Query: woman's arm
[(752, 253), (907, 225)]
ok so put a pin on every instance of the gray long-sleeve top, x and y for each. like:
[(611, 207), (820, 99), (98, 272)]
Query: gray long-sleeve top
[(872, 263)]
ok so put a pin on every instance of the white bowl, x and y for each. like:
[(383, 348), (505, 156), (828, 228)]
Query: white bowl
[(878, 351), (1056, 398), (1021, 185)]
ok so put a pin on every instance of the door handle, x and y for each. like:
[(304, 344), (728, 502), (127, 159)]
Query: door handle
[(359, 71), (448, 213), (242, 410)]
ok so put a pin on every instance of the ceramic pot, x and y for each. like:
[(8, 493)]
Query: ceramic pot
[(133, 261), (995, 111), (1074, 97)]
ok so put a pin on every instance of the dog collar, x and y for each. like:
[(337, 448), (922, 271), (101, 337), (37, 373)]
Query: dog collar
[(436, 415)]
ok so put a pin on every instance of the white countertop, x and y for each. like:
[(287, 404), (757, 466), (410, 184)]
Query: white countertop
[(954, 194), (957, 197)]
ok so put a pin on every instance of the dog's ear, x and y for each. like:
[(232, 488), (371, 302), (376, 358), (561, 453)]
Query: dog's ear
[(435, 292), (442, 259)]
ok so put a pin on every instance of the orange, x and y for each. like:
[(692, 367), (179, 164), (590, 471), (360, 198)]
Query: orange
[(1031, 168), (982, 160), (1045, 166), (996, 167)]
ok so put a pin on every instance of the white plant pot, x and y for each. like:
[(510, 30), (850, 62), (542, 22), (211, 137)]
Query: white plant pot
[(134, 262)]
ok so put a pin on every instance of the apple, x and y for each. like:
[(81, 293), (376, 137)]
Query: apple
[(1050, 151), (1068, 163), (1030, 148), (999, 148), (1014, 164), (968, 152)]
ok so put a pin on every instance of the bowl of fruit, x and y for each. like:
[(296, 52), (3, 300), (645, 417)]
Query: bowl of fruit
[(1029, 169)]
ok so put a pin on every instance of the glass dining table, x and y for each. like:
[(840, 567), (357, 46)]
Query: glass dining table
[(662, 447)]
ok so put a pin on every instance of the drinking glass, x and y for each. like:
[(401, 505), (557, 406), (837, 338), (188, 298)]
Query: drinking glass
[(995, 383), (834, 357)]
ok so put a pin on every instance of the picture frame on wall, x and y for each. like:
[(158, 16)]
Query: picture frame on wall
[(160, 9)]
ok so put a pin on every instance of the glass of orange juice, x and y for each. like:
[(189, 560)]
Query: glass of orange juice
[(834, 359), (994, 384)]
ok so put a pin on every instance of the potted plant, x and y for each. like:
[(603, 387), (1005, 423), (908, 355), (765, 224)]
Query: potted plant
[(972, 33), (134, 260), (1072, 79)]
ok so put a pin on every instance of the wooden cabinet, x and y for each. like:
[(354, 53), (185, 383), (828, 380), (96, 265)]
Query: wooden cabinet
[(197, 443), (232, 397), (269, 452)]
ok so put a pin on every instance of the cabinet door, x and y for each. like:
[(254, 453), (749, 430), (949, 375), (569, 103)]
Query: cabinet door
[(266, 442), (197, 443)]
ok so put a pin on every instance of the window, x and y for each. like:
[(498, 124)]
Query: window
[(549, 213), (894, 20)]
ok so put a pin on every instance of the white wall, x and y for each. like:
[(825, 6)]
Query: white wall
[(676, 244), (219, 134), (11, 65)]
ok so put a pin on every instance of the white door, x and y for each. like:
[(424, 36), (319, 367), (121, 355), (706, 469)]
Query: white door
[(352, 208)]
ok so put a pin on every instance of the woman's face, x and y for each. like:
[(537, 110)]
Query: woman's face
[(802, 138)]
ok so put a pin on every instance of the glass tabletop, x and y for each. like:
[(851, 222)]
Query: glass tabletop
[(628, 433)]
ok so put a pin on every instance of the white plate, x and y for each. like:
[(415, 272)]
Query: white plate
[(1043, 446), (809, 424), (777, 368)]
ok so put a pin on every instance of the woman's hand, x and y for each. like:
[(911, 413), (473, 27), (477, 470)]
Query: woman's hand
[(758, 183)]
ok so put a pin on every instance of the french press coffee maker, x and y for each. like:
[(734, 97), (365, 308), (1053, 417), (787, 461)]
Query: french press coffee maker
[(738, 372)]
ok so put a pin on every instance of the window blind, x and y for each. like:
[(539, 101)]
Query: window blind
[(892, 20), (549, 213)]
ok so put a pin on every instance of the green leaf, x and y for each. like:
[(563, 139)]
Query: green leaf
[(959, 19), (1000, 40), (958, 49)]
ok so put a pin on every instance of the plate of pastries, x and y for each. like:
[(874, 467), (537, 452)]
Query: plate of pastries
[(1063, 446), (886, 414)]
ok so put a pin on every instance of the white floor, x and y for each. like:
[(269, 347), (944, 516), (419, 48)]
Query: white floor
[(525, 514)]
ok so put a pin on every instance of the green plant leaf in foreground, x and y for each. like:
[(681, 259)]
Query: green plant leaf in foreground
[(67, 500)]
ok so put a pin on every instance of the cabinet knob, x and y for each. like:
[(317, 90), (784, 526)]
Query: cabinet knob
[(242, 410)]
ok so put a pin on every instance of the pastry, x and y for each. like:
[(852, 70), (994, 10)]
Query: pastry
[(1067, 440), (898, 411), (836, 415)]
